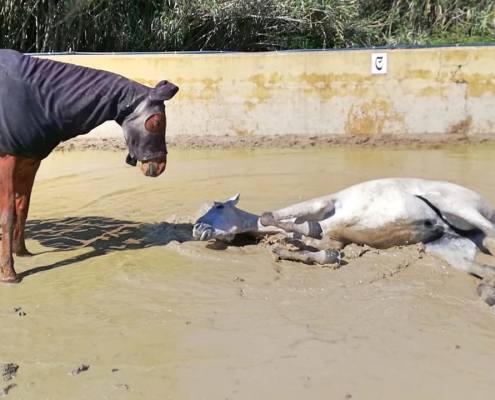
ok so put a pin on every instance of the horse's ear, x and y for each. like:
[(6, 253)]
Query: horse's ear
[(164, 90), (235, 199)]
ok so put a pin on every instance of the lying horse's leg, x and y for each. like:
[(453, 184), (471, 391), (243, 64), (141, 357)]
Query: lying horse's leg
[(8, 166), (321, 257), (465, 218), (24, 181), (476, 221), (460, 253), (326, 243), (301, 218), (474, 218), (310, 210), (310, 229)]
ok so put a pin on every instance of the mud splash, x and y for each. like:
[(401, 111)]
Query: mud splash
[(119, 286)]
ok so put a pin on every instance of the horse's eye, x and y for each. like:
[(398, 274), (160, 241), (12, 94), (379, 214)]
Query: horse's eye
[(220, 206), (155, 124)]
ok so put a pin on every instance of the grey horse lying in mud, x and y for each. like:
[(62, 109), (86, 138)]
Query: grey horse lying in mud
[(452, 221)]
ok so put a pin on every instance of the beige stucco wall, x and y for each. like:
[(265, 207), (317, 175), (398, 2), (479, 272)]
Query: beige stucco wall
[(426, 91)]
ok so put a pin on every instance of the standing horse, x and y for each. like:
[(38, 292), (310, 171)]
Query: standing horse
[(44, 102)]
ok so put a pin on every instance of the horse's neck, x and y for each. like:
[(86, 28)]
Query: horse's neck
[(247, 222), (85, 97), (251, 223)]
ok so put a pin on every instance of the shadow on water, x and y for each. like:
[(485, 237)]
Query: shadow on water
[(103, 235)]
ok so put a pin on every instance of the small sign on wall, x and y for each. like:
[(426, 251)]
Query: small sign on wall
[(378, 63)]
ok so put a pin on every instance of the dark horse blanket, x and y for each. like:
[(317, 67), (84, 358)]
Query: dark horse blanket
[(44, 102)]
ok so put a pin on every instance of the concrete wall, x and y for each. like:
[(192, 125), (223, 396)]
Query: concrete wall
[(426, 91)]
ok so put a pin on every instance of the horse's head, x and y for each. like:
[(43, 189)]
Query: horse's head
[(221, 222), (145, 129)]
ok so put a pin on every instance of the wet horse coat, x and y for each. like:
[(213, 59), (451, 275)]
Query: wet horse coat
[(45, 102)]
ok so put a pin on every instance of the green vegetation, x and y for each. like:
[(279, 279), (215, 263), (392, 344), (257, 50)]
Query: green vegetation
[(239, 25)]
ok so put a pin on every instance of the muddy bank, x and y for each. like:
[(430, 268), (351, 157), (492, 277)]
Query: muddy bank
[(288, 141)]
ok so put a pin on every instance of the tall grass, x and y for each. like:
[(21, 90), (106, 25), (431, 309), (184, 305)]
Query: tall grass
[(242, 25)]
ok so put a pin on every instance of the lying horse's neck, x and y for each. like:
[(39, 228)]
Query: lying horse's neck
[(250, 223)]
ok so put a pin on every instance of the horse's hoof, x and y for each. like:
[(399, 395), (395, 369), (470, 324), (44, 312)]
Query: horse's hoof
[(487, 293), (23, 253), (267, 219), (11, 279), (315, 230), (329, 257), (276, 252), (489, 244)]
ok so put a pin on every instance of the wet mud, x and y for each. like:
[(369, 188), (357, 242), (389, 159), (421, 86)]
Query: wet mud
[(118, 284)]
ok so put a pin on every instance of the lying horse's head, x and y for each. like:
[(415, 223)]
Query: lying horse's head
[(144, 130), (222, 221)]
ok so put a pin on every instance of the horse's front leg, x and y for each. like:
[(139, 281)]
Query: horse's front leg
[(310, 210), (23, 185), (8, 166), (302, 218), (311, 229)]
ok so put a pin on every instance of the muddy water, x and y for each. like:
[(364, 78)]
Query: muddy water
[(117, 286)]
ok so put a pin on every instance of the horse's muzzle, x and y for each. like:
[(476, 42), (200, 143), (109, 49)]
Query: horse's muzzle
[(154, 167), (202, 231)]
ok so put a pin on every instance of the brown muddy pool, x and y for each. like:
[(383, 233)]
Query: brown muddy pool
[(117, 286)]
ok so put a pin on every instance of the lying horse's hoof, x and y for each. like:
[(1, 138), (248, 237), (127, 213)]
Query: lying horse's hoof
[(489, 244), (328, 257), (277, 253), (267, 219), (487, 293), (11, 279)]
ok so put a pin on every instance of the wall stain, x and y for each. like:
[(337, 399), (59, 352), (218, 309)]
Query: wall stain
[(346, 90), (319, 80), (479, 85), (260, 93), (408, 74), (430, 91), (455, 57), (275, 79), (462, 127), (327, 86), (242, 132), (371, 117)]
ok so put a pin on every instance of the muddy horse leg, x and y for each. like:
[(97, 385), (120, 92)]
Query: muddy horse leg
[(311, 229), (460, 253), (302, 218), (8, 166), (23, 185), (321, 257), (309, 210)]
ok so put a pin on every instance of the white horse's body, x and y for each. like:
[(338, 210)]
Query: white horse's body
[(451, 220), (388, 212)]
